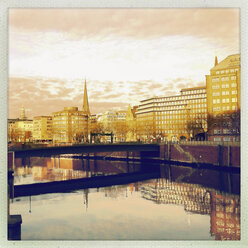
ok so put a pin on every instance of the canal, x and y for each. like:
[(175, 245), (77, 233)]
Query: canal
[(157, 202)]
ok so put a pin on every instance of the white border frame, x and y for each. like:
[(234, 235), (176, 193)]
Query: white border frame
[(6, 4)]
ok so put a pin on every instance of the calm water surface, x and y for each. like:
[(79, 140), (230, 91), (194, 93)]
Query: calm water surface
[(180, 204)]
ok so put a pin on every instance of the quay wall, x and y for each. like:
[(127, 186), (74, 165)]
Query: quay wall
[(226, 154), (220, 155)]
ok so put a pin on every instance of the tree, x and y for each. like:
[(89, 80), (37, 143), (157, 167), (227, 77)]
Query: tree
[(145, 129), (195, 127)]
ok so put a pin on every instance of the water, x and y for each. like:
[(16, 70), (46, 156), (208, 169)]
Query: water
[(178, 204)]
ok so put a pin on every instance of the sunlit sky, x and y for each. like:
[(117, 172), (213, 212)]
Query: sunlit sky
[(126, 55)]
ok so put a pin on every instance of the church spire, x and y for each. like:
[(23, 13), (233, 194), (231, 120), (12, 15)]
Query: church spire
[(23, 117), (86, 108), (216, 61)]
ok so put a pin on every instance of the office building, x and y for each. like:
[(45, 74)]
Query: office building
[(178, 117), (20, 129), (223, 99), (42, 128), (72, 125)]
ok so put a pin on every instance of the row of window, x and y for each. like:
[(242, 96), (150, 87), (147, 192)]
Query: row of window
[(217, 86), (190, 92), (171, 131), (228, 139), (224, 108), (225, 93), (227, 71), (224, 100), (185, 95), (225, 131), (180, 116)]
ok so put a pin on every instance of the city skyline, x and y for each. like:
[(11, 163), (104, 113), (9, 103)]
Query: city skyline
[(126, 55)]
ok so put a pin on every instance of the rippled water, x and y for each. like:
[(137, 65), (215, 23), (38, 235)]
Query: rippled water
[(179, 204)]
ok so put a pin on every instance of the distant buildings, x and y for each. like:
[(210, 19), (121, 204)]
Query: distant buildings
[(176, 117), (20, 129), (70, 126), (223, 99), (114, 122), (210, 112), (42, 128), (131, 124)]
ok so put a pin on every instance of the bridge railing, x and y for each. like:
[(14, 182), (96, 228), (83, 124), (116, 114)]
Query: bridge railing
[(213, 143)]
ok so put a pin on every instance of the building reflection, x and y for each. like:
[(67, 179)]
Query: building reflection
[(172, 188), (59, 168), (224, 209)]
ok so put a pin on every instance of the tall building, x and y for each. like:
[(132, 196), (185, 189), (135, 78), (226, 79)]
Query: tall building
[(20, 129), (176, 117), (72, 125), (42, 128), (223, 99)]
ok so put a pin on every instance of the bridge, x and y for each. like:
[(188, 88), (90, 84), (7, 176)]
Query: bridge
[(83, 183), (84, 149)]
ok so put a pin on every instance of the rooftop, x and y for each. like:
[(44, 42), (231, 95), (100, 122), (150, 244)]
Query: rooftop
[(229, 62)]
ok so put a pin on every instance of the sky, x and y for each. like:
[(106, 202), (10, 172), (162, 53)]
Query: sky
[(125, 55)]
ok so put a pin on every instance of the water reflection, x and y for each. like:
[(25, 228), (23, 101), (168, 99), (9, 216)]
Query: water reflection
[(182, 203), (224, 209), (43, 169)]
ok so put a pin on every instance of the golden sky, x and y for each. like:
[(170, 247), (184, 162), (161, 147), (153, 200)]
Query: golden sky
[(126, 55)]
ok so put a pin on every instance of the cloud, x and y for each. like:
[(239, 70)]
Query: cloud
[(133, 23), (43, 96), (127, 55)]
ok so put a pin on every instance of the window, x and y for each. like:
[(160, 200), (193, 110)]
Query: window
[(232, 70), (217, 139), (217, 72), (234, 107), (222, 72), (214, 87), (233, 77), (234, 92), (234, 85), (216, 131), (224, 78), (215, 79), (226, 131), (234, 99), (216, 93)]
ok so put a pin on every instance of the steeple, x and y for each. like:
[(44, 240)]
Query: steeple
[(23, 117), (216, 61), (86, 108)]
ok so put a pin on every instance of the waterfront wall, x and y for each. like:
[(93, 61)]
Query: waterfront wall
[(215, 154), (226, 154), (221, 155)]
